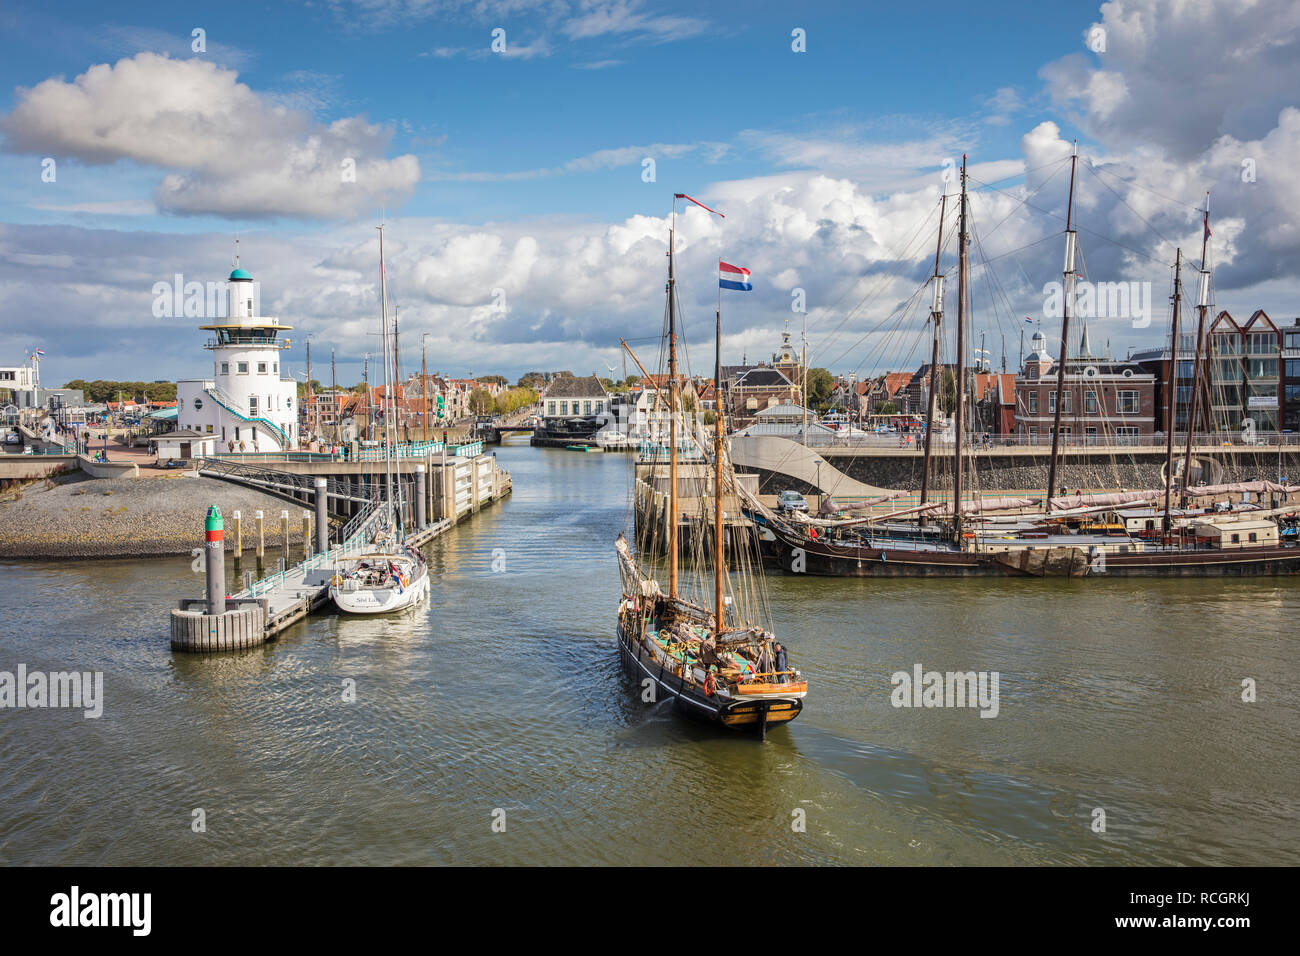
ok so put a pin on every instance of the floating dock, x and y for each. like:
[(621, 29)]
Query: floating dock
[(265, 608)]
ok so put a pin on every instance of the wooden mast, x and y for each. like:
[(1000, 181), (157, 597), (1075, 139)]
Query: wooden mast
[(672, 411), (962, 241), (1067, 296), (1173, 389), (424, 386), (936, 316), (719, 570), (1202, 305)]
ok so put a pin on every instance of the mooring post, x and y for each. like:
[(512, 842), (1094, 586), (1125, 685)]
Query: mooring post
[(421, 501), (239, 540), (322, 515), (284, 532), (215, 560), (306, 533), (261, 542), (248, 580)]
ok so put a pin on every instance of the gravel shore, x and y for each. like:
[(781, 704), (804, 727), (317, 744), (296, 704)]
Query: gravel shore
[(81, 517)]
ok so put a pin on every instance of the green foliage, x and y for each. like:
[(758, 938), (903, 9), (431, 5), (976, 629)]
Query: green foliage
[(492, 379), (481, 401), (948, 392), (886, 408), (513, 399), (104, 390), (820, 385)]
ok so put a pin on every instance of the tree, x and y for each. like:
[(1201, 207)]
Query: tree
[(513, 399), (493, 379), (632, 381), (820, 385), (534, 380), (315, 388), (886, 408), (947, 392), (480, 401)]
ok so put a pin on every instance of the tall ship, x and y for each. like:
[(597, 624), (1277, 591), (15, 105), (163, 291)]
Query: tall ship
[(701, 639), (389, 575), (1191, 524)]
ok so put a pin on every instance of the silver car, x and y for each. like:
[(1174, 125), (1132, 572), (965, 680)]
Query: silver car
[(791, 501)]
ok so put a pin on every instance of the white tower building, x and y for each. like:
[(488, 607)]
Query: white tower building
[(246, 403)]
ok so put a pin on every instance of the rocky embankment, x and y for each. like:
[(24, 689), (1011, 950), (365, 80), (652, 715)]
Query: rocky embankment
[(81, 517)]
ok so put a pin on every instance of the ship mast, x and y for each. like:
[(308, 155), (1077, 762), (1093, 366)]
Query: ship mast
[(1068, 275), (962, 241), (936, 316), (1173, 389), (672, 410), (718, 570), (1202, 306), (387, 402)]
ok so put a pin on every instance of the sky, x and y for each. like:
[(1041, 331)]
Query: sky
[(523, 155)]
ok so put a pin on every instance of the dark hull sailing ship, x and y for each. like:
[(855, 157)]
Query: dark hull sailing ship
[(717, 664), (1115, 532)]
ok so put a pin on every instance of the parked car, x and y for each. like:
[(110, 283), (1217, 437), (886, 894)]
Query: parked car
[(791, 501)]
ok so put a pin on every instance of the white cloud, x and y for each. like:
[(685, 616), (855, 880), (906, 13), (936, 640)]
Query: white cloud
[(236, 153)]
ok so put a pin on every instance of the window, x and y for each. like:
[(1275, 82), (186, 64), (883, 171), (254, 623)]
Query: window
[(1127, 402), (564, 408), (1292, 394), (1090, 434), (550, 408), (1031, 404), (1262, 343), (1253, 536), (586, 408), (275, 369), (225, 368), (242, 368), (252, 405), (261, 368), (1065, 403), (1126, 435), (1293, 368), (1090, 403), (1293, 340), (600, 407), (1236, 539)]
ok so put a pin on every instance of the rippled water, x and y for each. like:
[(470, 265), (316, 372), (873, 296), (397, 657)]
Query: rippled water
[(505, 693)]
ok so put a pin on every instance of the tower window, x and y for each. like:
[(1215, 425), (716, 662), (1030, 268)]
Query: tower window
[(242, 368), (225, 368)]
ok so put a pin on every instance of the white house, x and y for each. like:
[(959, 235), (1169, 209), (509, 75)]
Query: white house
[(246, 405)]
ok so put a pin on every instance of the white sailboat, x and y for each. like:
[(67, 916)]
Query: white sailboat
[(390, 575)]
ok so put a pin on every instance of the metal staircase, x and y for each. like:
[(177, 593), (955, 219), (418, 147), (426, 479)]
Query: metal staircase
[(229, 404)]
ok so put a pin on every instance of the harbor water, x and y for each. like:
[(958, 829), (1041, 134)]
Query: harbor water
[(494, 726)]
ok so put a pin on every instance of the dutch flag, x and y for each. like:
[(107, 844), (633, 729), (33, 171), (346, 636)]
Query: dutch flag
[(733, 277)]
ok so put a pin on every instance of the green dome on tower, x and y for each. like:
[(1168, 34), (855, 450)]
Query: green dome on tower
[(240, 274)]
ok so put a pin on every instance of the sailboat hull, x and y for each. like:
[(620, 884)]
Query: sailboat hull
[(822, 559), (737, 714)]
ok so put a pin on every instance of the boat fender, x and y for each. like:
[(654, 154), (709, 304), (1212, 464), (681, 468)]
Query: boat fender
[(710, 685)]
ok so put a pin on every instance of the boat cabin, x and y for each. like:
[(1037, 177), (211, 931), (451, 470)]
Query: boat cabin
[(1230, 535)]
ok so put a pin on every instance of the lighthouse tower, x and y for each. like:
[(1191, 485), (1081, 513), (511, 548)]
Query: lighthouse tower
[(246, 404)]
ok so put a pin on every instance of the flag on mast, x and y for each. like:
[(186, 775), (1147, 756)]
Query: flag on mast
[(733, 277)]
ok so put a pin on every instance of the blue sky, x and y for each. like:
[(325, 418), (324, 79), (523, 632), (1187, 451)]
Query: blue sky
[(881, 67), (522, 170)]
